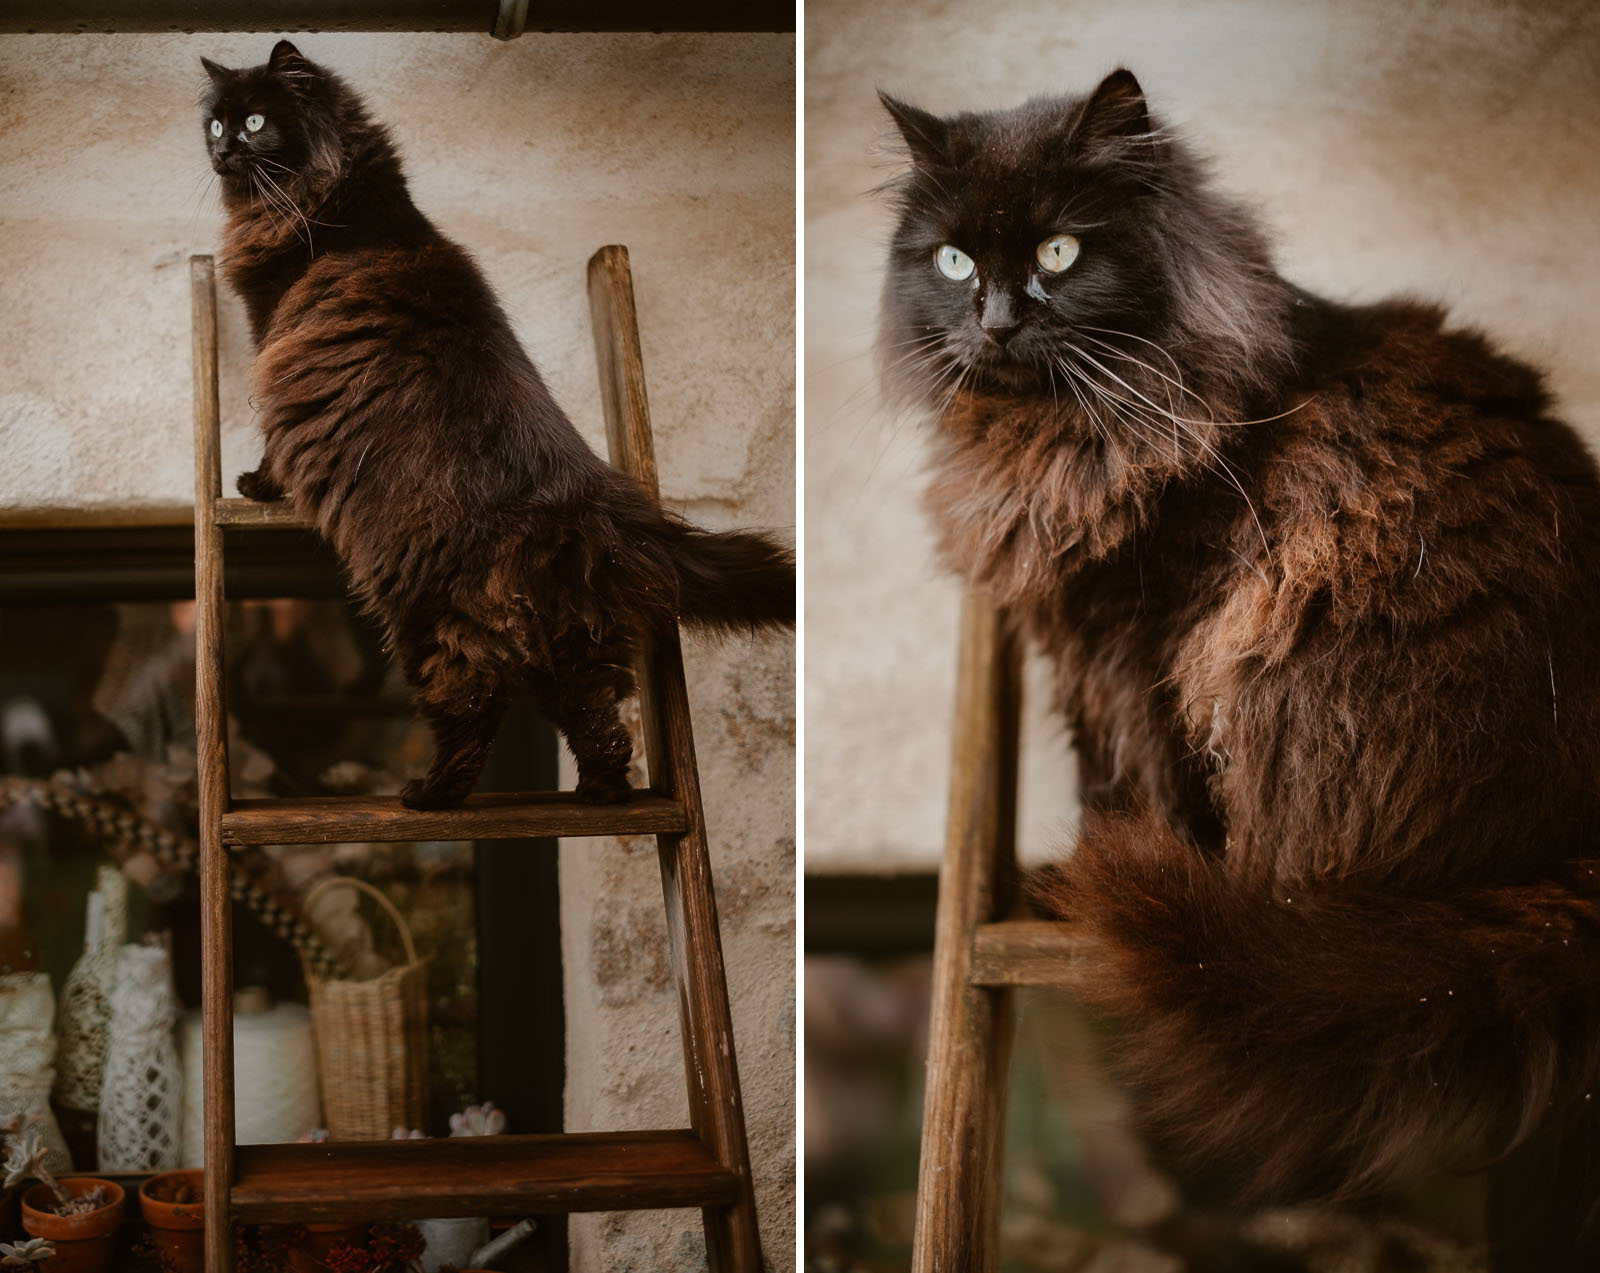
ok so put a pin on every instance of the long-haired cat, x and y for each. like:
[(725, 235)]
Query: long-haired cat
[(1321, 584), (402, 416)]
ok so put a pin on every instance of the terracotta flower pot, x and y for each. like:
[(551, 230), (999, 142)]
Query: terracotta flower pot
[(321, 1238), (176, 1228), (84, 1244), (300, 1262)]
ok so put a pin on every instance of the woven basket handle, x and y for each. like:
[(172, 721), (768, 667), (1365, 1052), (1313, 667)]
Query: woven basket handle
[(377, 895)]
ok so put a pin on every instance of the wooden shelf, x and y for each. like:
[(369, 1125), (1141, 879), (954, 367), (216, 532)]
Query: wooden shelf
[(249, 512), (1027, 952), (474, 1176), (498, 816)]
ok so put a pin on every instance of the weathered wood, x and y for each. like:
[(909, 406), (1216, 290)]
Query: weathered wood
[(211, 757), (716, 1110), (707, 1166), (470, 1176), (1022, 952), (960, 1177), (628, 436), (249, 512), (487, 816)]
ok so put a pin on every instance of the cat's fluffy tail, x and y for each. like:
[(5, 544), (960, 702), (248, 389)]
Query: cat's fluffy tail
[(732, 580), (1325, 1043)]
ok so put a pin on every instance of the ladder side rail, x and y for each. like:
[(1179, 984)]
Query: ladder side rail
[(211, 756), (961, 1172), (715, 1104), (631, 447)]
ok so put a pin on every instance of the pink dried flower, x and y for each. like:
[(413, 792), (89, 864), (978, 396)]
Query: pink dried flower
[(478, 1120)]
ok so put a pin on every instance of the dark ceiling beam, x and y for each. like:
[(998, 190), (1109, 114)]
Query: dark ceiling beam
[(503, 18)]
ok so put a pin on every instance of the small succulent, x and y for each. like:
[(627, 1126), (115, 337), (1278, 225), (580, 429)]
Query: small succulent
[(25, 1158), (316, 1136), (25, 1155), (478, 1120), (84, 1203), (406, 1133), (23, 1255)]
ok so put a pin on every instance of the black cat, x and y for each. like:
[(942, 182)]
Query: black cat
[(401, 414), (1321, 583)]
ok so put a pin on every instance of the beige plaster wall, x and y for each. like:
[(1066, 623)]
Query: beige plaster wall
[(533, 154), (1447, 149)]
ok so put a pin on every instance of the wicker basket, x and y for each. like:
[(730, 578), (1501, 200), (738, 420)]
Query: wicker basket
[(372, 1038)]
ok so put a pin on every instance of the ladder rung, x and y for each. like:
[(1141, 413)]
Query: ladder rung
[(1027, 952), (249, 512), (496, 816), (478, 1175)]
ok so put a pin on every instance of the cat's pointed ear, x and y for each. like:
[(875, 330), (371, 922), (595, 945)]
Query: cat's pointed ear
[(288, 60), (216, 71), (927, 136), (1114, 116)]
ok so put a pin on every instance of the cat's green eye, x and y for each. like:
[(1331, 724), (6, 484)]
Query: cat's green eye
[(953, 263), (1057, 252), (216, 128), (254, 122)]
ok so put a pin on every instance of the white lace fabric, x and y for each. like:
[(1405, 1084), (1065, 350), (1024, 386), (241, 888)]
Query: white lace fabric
[(27, 1055), (141, 1091), (85, 1011)]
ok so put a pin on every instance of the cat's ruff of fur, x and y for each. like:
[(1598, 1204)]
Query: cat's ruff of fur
[(403, 417), (1321, 584)]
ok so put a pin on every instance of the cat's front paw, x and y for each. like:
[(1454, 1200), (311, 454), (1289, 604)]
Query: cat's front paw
[(420, 794), (603, 788), (257, 485)]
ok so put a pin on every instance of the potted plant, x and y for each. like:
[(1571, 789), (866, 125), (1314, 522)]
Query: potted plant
[(388, 1248), (24, 1255), (452, 1241), (173, 1207), (266, 1248), (317, 1238), (78, 1215)]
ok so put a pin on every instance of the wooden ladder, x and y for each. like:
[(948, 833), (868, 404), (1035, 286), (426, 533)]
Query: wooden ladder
[(978, 957), (1540, 1200), (706, 1165)]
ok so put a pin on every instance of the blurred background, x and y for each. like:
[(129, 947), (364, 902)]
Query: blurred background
[(1449, 150)]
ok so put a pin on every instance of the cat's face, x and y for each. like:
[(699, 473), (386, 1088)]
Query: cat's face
[(263, 122), (1024, 239)]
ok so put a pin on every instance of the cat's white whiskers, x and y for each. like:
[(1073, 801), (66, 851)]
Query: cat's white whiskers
[(1096, 425), (293, 207), (268, 208), (1138, 413), (1210, 419), (916, 364), (1170, 412), (272, 204), (1213, 459), (1175, 380)]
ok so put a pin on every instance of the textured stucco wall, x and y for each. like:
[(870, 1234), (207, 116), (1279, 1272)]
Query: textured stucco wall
[(532, 154), (1446, 149)]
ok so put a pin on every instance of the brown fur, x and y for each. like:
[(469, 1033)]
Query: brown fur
[(401, 414), (1321, 585)]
